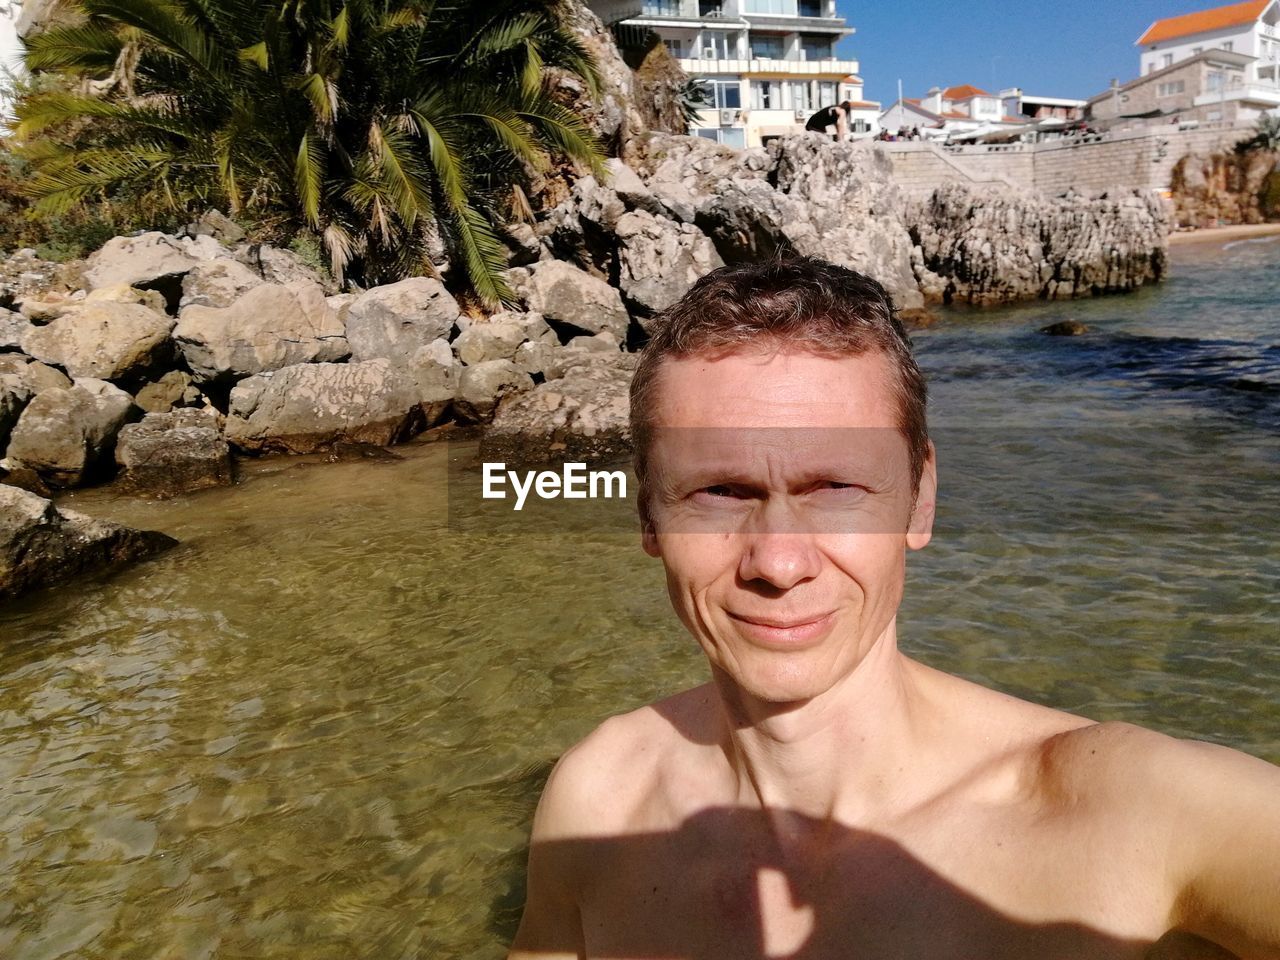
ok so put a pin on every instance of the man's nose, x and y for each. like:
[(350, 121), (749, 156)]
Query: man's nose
[(778, 549)]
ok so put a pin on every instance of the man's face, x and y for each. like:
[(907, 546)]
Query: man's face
[(781, 504)]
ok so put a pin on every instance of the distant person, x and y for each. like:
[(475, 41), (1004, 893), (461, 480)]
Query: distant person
[(834, 116), (824, 796)]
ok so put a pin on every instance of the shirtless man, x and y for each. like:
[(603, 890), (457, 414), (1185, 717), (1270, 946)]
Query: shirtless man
[(824, 795)]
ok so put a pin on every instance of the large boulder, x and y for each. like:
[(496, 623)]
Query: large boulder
[(494, 340), (40, 545), (660, 259), (395, 321), (174, 389), (218, 283), (483, 385), (171, 453), (13, 327), (270, 327), (35, 375), (581, 416), (567, 296), (435, 372), (15, 394), (987, 248), (104, 340), (308, 407), (281, 266), (65, 438), (153, 261)]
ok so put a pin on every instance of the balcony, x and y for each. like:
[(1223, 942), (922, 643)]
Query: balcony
[(1260, 93), (796, 68)]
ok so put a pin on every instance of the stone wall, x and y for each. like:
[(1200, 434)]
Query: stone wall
[(1139, 159)]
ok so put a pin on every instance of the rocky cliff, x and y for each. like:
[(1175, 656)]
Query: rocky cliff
[(1220, 188)]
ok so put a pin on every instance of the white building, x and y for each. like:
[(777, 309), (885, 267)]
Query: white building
[(766, 66), (1251, 29), (951, 112)]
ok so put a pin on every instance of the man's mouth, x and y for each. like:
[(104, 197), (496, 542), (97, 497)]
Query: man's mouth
[(787, 631)]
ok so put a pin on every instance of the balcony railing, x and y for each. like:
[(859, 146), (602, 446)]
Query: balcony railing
[(830, 67)]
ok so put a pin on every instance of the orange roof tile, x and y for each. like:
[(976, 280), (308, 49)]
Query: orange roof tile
[(963, 92), (863, 104), (955, 115), (1235, 14), (914, 100)]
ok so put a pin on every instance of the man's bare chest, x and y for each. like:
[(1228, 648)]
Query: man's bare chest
[(720, 886)]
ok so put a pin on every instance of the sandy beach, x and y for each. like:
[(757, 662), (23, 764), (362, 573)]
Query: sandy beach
[(1224, 234)]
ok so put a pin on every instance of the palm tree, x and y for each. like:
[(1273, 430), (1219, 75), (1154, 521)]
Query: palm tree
[(384, 126)]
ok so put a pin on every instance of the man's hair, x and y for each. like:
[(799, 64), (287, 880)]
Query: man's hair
[(784, 301)]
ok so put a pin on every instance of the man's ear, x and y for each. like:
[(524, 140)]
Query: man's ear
[(648, 533), (920, 529)]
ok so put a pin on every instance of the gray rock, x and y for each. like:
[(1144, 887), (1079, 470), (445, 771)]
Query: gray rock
[(144, 261), (310, 406), (269, 328), (562, 293), (123, 293), (988, 248), (631, 190), (15, 394), (40, 545), (42, 311), (167, 454), (435, 371), (492, 340), (394, 321), (582, 416), (217, 283), (66, 438), (214, 223), (174, 389), (13, 327), (36, 375), (1065, 328), (281, 266), (481, 386), (104, 340), (539, 358), (659, 260)]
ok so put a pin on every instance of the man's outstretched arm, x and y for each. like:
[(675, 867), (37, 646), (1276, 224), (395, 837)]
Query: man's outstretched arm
[(1226, 845), (551, 927)]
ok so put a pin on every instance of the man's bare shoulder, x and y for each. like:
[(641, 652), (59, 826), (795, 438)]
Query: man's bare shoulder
[(608, 782)]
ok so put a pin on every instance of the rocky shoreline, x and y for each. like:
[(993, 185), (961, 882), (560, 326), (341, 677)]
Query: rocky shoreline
[(160, 359)]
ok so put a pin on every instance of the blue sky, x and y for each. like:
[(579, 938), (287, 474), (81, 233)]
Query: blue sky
[(1068, 48)]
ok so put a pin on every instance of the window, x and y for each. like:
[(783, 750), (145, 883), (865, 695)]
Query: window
[(766, 46), (729, 136), (766, 95), (815, 48), (826, 94), (811, 8), (1167, 60), (1228, 46), (1196, 51), (1171, 88), (1213, 82), (721, 94), (1151, 67), (676, 47), (784, 8), (715, 45), (800, 95), (661, 8)]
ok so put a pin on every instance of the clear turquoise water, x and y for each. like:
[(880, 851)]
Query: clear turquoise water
[(318, 728)]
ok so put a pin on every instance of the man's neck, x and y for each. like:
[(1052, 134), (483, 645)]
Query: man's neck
[(848, 754)]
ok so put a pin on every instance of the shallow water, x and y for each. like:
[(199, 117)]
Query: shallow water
[(318, 727)]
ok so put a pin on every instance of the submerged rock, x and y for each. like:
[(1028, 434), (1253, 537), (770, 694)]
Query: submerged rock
[(1065, 328), (167, 454), (311, 406), (40, 545)]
